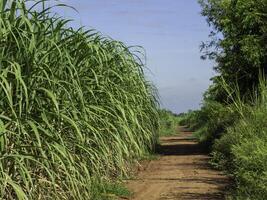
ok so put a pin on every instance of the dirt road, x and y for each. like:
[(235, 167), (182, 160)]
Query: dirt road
[(181, 172)]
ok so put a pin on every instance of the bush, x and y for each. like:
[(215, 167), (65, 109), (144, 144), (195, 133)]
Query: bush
[(168, 123), (243, 150), (191, 120), (237, 133), (210, 122)]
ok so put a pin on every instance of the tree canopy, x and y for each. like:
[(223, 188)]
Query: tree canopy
[(238, 43)]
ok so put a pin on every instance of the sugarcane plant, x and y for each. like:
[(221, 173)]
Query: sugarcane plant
[(75, 106)]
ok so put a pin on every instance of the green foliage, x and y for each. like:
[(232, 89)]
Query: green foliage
[(109, 190), (233, 115), (74, 106), (190, 119), (168, 123), (238, 43), (210, 122), (243, 150), (238, 135)]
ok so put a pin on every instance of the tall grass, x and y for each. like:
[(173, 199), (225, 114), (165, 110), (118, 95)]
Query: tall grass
[(242, 150), (74, 106), (237, 133)]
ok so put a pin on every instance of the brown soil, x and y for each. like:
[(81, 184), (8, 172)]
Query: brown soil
[(181, 172)]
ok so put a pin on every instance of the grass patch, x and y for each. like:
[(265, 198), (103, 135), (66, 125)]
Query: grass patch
[(111, 191), (149, 157)]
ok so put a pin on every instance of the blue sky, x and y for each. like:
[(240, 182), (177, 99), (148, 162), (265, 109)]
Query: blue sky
[(169, 30)]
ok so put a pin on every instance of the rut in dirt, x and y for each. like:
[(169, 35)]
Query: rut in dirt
[(181, 172)]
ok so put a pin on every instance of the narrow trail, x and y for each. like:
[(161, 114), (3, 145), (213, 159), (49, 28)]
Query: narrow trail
[(181, 172)]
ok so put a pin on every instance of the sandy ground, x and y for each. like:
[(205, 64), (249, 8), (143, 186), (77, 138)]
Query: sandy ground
[(181, 172)]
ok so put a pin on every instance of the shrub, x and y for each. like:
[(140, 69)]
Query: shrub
[(168, 123), (243, 150), (211, 121)]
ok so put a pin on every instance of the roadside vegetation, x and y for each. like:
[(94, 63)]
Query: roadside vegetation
[(75, 107), (232, 121), (168, 123)]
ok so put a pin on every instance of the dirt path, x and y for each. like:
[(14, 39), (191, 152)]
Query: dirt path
[(181, 172)]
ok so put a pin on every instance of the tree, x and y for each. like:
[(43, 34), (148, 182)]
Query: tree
[(238, 43)]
